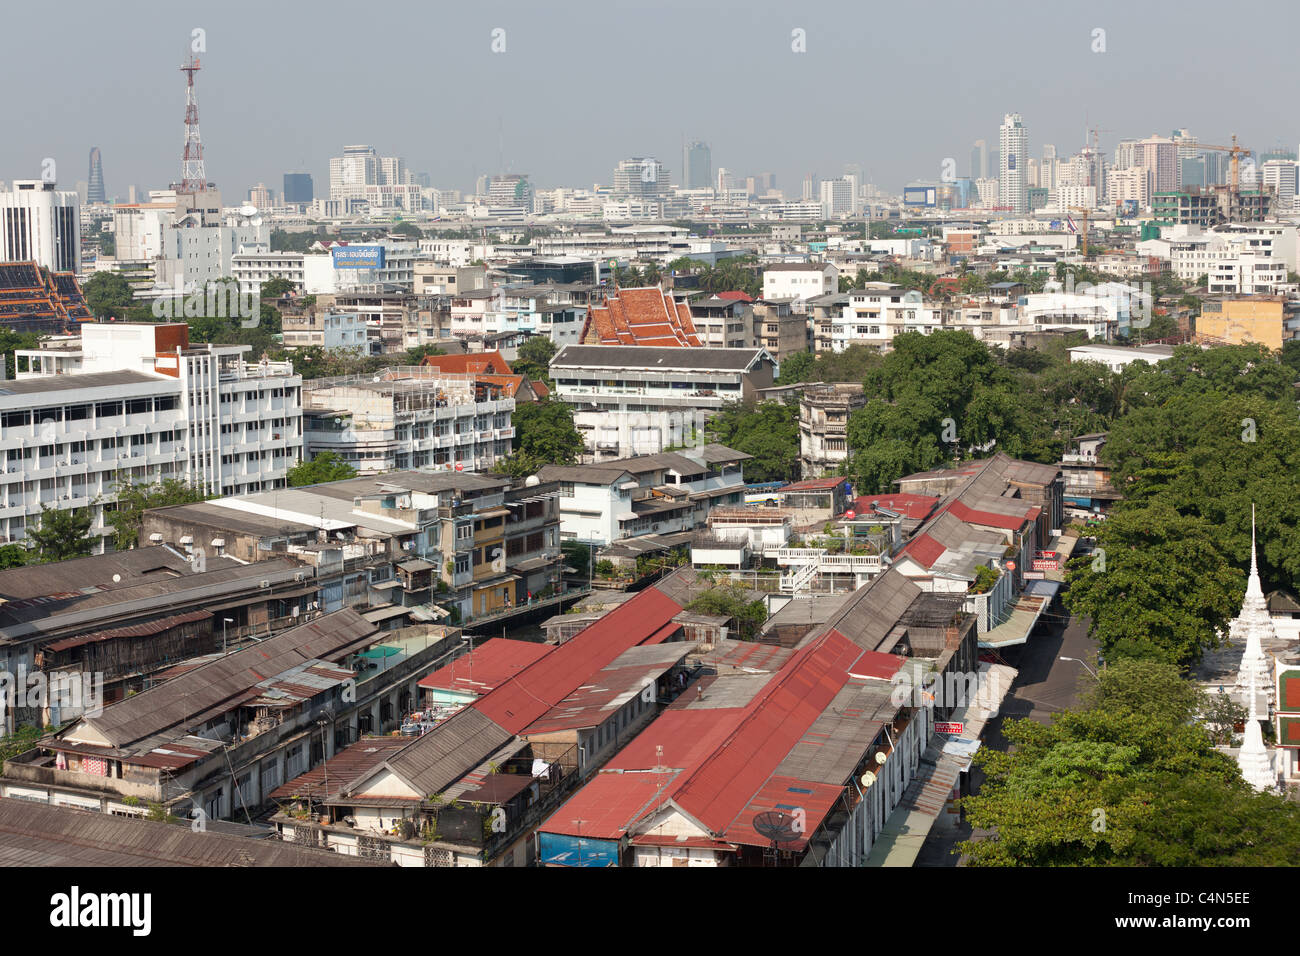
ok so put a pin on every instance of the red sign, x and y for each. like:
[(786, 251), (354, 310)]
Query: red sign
[(949, 727), (1046, 561)]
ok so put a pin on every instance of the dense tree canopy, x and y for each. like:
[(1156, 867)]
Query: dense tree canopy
[(61, 534), (327, 466), (1129, 780), (769, 431), (544, 435)]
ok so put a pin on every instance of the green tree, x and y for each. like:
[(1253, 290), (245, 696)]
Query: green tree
[(768, 430), (12, 556), (734, 601), (61, 534), (134, 499), (417, 355), (534, 359), (108, 294), (544, 435), (327, 466), (796, 368), (1127, 780), (1142, 597)]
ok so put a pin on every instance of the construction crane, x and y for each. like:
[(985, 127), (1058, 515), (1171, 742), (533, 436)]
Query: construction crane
[(1086, 212), (1234, 178)]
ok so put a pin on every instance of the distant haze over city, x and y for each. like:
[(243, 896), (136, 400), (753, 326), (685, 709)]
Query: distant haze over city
[(571, 89)]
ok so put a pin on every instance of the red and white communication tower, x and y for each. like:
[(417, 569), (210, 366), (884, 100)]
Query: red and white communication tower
[(193, 177)]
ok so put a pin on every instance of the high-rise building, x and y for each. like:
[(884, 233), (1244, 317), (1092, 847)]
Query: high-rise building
[(1159, 156), (1280, 179), (40, 224), (297, 188), (393, 172), (1126, 153), (352, 172), (809, 187), (261, 197), (979, 160), (511, 189), (836, 197), (639, 176), (95, 184), (1013, 149), (697, 166)]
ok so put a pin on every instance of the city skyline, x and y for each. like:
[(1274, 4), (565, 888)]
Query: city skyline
[(1073, 87)]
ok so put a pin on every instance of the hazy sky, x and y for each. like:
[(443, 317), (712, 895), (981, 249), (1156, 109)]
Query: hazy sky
[(896, 87)]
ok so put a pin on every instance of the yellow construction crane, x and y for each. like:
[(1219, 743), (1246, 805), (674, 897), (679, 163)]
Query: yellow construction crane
[(1086, 213), (1234, 177)]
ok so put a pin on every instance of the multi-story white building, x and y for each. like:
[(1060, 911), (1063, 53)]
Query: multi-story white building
[(1131, 184), (836, 198), (407, 418), (647, 494), (136, 402), (639, 399), (799, 281), (1280, 178), (1247, 273), (875, 314), (1013, 162), (40, 224), (350, 173)]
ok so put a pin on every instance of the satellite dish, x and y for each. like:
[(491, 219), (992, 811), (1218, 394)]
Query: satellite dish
[(255, 221), (776, 825), (247, 210), (868, 779), (117, 578), (880, 758)]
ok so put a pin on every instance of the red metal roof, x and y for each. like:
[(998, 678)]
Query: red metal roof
[(775, 720), (911, 506), (876, 664), (924, 549), (989, 518), (735, 296), (488, 666), (790, 795), (530, 693)]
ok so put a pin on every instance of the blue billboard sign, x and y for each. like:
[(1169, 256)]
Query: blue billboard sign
[(358, 257)]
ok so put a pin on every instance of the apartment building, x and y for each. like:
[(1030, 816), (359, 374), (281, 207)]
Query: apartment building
[(779, 330), (1238, 319), (723, 321), (40, 224), (647, 494), (876, 313), (644, 400), (330, 331), (823, 426), (135, 402), (407, 545), (410, 417)]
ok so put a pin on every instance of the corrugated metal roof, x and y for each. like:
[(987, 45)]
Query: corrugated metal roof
[(133, 630), (35, 834), (227, 681)]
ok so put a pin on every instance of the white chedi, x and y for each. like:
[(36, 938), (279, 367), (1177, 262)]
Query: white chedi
[(1251, 627)]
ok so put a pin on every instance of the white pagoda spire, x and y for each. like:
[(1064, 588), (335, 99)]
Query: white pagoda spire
[(1253, 758), (1251, 627)]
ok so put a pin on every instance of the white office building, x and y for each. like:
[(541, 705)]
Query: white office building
[(40, 224), (800, 281)]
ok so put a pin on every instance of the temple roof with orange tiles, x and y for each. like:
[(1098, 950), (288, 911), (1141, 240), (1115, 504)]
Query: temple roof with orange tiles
[(641, 317)]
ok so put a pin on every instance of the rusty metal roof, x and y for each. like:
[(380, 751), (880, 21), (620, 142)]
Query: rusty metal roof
[(224, 683), (37, 834)]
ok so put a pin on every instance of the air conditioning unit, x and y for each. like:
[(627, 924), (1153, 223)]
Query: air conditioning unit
[(299, 576), (263, 584)]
